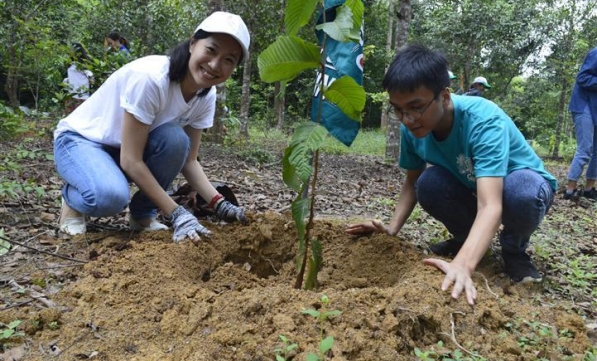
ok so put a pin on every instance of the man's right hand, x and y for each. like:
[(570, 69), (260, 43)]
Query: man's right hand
[(367, 228), (187, 226)]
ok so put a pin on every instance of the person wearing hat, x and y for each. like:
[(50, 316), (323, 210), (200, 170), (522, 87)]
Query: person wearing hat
[(478, 86), (144, 125), (454, 86)]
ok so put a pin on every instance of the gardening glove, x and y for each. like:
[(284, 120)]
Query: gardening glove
[(228, 212), (186, 225)]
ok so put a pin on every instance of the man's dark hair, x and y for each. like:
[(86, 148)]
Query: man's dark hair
[(416, 66)]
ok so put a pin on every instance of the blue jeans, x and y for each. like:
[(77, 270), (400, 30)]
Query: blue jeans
[(527, 198), (96, 186), (586, 146)]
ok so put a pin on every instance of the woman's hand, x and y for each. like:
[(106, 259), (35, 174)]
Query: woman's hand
[(187, 226)]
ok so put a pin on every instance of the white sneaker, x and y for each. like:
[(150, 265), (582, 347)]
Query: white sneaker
[(153, 226), (71, 222)]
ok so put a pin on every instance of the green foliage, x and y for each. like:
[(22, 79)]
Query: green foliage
[(8, 332), (11, 123), (325, 343), (284, 60), (288, 346)]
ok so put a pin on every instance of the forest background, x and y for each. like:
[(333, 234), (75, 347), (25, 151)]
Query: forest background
[(529, 50)]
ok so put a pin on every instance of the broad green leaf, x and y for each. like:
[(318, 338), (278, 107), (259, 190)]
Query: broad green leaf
[(311, 133), (285, 58), (311, 312), (298, 13), (280, 358), (358, 10), (326, 344), (300, 210), (300, 158), (348, 95), (339, 29), (289, 175)]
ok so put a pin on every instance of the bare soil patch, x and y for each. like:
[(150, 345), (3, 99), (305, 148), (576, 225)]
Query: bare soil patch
[(138, 296)]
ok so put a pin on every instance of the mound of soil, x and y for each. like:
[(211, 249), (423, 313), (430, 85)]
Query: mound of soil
[(117, 295), (141, 297)]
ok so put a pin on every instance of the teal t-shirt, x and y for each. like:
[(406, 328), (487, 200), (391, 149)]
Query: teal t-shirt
[(484, 142)]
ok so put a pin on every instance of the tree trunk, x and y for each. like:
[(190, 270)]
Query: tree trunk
[(245, 99), (564, 86), (279, 103), (389, 38), (11, 87), (402, 29)]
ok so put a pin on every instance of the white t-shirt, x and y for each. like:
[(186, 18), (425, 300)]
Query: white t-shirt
[(78, 82), (142, 88)]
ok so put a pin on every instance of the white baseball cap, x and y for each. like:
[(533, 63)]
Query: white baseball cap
[(227, 23), (483, 81)]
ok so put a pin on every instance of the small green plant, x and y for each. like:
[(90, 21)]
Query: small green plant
[(9, 332), (288, 346), (54, 325), (325, 344), (281, 62)]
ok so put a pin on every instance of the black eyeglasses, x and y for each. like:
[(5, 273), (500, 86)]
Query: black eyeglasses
[(412, 114)]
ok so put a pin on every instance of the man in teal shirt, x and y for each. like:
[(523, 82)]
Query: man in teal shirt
[(469, 167)]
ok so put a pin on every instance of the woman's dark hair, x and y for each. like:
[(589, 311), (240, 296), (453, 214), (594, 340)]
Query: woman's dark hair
[(79, 53), (179, 59), (116, 37), (417, 66)]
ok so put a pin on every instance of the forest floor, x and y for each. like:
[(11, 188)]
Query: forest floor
[(117, 295)]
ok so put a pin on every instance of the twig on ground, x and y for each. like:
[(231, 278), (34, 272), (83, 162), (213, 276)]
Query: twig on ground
[(487, 285), (453, 336), (42, 251)]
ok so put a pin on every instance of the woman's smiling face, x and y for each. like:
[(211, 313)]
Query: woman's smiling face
[(213, 59)]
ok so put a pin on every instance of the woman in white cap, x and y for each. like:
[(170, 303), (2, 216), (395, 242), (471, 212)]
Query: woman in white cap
[(478, 86), (144, 125)]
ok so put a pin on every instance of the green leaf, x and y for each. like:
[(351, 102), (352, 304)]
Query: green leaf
[(14, 324), (300, 159), (348, 95), (307, 137), (311, 312), (332, 313), (340, 28), (289, 175), (280, 358), (312, 357), (311, 133), (358, 11), (326, 344), (300, 209), (298, 13), (285, 58)]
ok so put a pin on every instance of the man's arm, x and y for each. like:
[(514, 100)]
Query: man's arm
[(489, 217), (404, 207)]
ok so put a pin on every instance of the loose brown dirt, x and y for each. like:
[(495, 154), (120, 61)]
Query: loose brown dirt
[(142, 297)]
